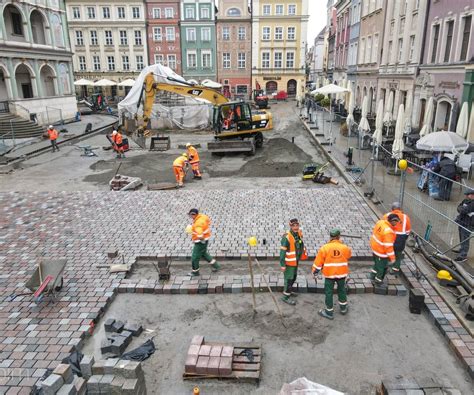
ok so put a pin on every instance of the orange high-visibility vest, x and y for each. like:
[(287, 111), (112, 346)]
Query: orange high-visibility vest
[(201, 228), (193, 155), (290, 255), (117, 139), (180, 161), (333, 259), (53, 134), (382, 239), (404, 226)]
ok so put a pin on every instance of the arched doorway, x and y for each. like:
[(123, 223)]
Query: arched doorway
[(38, 27), (14, 24), (23, 82), (291, 88), (3, 86), (271, 87), (443, 115), (364, 92), (47, 81)]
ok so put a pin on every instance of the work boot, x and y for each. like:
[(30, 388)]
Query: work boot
[(294, 294), (194, 273), (287, 300), (394, 271), (215, 267), (344, 308), (325, 314), (197, 177), (371, 276)]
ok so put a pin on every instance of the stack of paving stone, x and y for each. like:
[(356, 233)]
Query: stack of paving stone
[(63, 382), (113, 376), (118, 336), (207, 359), (417, 386), (121, 183)]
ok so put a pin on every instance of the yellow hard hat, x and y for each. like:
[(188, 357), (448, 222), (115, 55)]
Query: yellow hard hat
[(252, 241), (444, 275), (189, 229), (188, 145), (185, 155)]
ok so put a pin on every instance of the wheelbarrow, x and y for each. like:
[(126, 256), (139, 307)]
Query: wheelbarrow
[(46, 280)]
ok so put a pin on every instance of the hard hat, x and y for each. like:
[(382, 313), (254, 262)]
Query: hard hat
[(396, 205), (185, 155), (188, 145), (334, 232), (50, 126), (393, 217), (444, 275), (114, 132), (189, 229), (193, 211), (252, 241)]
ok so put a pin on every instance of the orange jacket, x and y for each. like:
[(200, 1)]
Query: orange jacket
[(53, 134), (290, 252), (117, 139), (333, 259), (180, 161), (193, 154), (201, 228), (382, 239), (404, 226)]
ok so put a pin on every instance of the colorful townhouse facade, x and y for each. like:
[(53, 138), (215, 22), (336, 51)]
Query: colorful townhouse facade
[(354, 30), (341, 49), (163, 33)]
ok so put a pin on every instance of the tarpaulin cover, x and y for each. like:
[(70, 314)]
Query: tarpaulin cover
[(303, 386), (140, 353)]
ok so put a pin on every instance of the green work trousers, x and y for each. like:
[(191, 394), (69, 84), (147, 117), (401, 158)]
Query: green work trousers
[(199, 251), (289, 276), (398, 260), (380, 267), (329, 290)]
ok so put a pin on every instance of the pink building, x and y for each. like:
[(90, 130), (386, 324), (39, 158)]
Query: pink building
[(163, 34), (342, 40)]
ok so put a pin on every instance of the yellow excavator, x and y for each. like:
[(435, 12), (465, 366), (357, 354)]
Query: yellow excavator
[(236, 128)]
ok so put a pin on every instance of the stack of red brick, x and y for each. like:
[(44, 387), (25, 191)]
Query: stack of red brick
[(207, 359)]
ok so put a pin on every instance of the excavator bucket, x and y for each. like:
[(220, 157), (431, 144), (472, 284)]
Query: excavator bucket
[(228, 146)]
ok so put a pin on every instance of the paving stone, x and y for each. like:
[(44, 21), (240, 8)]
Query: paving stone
[(130, 387), (201, 365), (108, 325), (117, 326), (225, 366), (197, 340), (65, 372), (93, 383), (86, 364), (134, 328), (190, 364), (80, 384), (109, 365), (52, 384), (67, 389), (98, 368)]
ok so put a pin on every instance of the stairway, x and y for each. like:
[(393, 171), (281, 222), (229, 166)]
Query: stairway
[(22, 128)]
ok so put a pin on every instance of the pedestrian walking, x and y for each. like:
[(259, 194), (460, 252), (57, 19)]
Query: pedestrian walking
[(53, 136), (465, 220), (193, 157), (333, 261), (117, 140), (200, 234), (292, 250), (402, 231), (179, 166), (446, 168), (381, 242)]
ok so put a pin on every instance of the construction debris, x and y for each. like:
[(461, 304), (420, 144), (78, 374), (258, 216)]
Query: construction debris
[(124, 183)]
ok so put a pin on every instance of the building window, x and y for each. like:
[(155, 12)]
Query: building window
[(91, 12), (106, 12), (435, 43), (233, 12), (121, 12), (242, 33), (206, 60), (205, 14), (192, 60), (290, 60), (170, 34), (190, 35), (94, 40), (226, 60), (278, 60), (241, 89), (158, 59), (96, 63), (111, 63), (265, 60), (291, 33), (279, 9), (362, 51), (225, 33), (108, 37), (157, 34), (139, 61), (466, 35), (402, 25), (449, 41), (156, 13), (190, 13), (241, 60), (169, 14), (125, 63), (267, 9), (82, 63), (400, 49), (172, 62), (79, 38), (138, 37), (123, 37), (266, 33), (205, 34), (292, 9), (375, 50), (278, 33), (136, 12), (76, 13), (368, 50), (412, 48)]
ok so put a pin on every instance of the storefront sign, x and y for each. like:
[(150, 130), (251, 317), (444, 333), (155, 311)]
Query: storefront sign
[(449, 85), (275, 78)]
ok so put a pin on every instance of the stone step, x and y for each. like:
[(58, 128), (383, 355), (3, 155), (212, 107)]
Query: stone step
[(22, 128)]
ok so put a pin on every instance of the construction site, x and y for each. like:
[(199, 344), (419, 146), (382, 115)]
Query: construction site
[(122, 314)]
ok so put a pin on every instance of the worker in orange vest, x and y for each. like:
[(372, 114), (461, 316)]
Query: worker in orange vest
[(381, 242), (193, 157), (179, 166), (292, 250), (402, 231), (53, 136), (200, 234), (118, 144), (333, 260)]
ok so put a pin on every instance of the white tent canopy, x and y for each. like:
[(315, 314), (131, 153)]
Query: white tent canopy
[(211, 84), (463, 121), (105, 82), (442, 142), (192, 81), (127, 82), (330, 89), (83, 82)]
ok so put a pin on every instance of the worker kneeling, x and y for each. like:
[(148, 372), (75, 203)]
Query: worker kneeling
[(179, 166), (118, 144), (193, 157), (333, 261)]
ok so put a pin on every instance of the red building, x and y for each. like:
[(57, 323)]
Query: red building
[(163, 35)]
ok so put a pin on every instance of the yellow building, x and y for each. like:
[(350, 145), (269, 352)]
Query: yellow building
[(279, 35)]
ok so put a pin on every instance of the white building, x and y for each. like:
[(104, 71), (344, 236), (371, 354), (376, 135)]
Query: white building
[(108, 39), (317, 65)]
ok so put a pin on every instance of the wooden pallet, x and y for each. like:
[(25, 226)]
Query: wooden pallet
[(242, 369)]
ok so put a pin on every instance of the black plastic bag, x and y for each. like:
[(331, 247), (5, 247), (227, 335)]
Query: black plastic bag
[(140, 353), (74, 360)]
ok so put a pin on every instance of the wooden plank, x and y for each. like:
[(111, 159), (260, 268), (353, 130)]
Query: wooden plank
[(254, 367), (244, 359)]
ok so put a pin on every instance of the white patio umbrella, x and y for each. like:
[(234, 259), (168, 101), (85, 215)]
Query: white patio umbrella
[(470, 133), (398, 146), (443, 142), (211, 84), (105, 82), (428, 118), (378, 138), (350, 117), (364, 123), (83, 82), (127, 82), (408, 113), (388, 117), (463, 121)]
